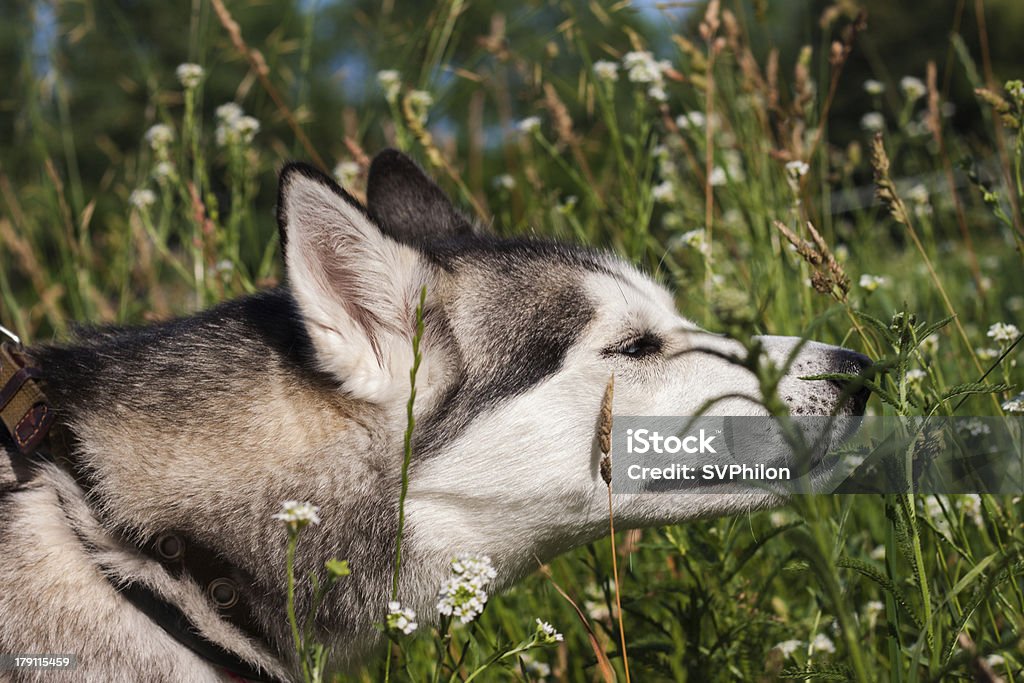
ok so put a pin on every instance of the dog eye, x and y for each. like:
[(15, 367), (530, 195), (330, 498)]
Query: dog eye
[(640, 347)]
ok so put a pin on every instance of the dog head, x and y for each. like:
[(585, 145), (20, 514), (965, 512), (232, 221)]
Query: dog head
[(521, 337)]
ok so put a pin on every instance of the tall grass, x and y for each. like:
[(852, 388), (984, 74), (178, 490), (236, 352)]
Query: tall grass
[(682, 166)]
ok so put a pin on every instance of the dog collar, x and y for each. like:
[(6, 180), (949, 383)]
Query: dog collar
[(30, 421)]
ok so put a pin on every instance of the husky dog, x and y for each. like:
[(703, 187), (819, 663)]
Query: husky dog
[(202, 426)]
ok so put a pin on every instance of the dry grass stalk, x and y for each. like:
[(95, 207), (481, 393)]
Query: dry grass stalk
[(827, 276), (604, 436), (564, 130)]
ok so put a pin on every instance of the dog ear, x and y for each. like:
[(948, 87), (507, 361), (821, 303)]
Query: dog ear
[(408, 205), (356, 287)]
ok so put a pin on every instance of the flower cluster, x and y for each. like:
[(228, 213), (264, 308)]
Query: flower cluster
[(390, 82), (1015, 406), (462, 595), (142, 199), (871, 282), (642, 67), (234, 127), (913, 88), (546, 633), (400, 619), (159, 137), (788, 647), (297, 515), (606, 71), (1003, 334), (530, 124), (189, 75), (346, 172)]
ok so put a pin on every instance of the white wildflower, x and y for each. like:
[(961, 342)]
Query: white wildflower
[(877, 553), (546, 633), (530, 124), (189, 75), (822, 643), (974, 427), (842, 252), (918, 194), (297, 515), (462, 595), (695, 119), (1003, 334), (873, 122), (163, 171), (873, 609), (797, 169), (1015, 406), (788, 647), (657, 93), (663, 192), (346, 172), (228, 112), (505, 182), (718, 177), (873, 87), (641, 67), (995, 660), (872, 282), (142, 199), (987, 353), (913, 88), (159, 136), (400, 619), (606, 71), (390, 82), (693, 239), (916, 377)]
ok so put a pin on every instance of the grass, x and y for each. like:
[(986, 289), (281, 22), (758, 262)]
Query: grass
[(896, 587)]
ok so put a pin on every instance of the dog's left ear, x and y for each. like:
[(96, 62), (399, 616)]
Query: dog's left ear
[(409, 206), (357, 288)]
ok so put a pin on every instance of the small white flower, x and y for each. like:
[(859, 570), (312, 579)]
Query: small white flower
[(695, 119), (970, 505), (163, 171), (657, 93), (346, 172), (189, 75), (663, 192), (788, 647), (930, 345), (873, 609), (159, 136), (400, 619), (142, 199), (529, 125), (916, 377), (842, 252), (462, 595), (873, 87), (228, 112), (693, 239), (505, 182), (913, 88), (995, 660), (822, 643), (974, 427), (986, 353), (297, 515), (606, 71), (1015, 406), (718, 177), (797, 169), (1003, 334), (641, 67), (872, 282), (873, 122), (390, 82), (877, 553), (546, 633), (918, 194)]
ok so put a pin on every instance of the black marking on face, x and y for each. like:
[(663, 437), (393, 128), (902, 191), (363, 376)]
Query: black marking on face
[(519, 325)]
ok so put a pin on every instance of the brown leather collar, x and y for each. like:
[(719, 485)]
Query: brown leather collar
[(23, 407)]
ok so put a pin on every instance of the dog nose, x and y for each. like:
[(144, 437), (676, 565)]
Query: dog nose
[(850, 362)]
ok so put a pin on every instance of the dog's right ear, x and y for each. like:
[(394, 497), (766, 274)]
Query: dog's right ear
[(357, 288), (408, 205)]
